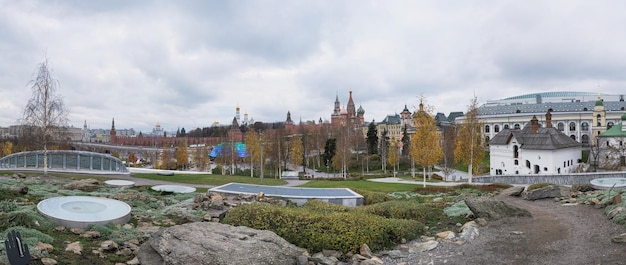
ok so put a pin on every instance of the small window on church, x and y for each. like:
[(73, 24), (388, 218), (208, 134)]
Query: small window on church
[(598, 120), (486, 128), (496, 128)]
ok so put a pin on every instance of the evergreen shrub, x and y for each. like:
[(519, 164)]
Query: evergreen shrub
[(317, 227), (8, 206), (373, 197), (582, 187), (412, 210)]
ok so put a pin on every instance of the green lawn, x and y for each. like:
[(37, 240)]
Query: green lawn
[(366, 185), (210, 179)]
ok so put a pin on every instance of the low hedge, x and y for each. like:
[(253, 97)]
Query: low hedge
[(373, 197), (317, 227), (411, 210)]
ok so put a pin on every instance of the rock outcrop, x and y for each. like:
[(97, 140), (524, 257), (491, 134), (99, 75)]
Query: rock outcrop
[(87, 185), (514, 191), (215, 243), (552, 191), (491, 209)]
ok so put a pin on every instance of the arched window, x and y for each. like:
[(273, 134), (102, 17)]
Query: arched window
[(515, 152), (516, 126), (496, 128), (486, 128), (487, 140), (584, 139), (561, 126), (598, 120), (573, 137), (572, 126), (506, 126), (609, 125), (584, 126)]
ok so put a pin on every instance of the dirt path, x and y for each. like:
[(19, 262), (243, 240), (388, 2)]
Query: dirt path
[(556, 234)]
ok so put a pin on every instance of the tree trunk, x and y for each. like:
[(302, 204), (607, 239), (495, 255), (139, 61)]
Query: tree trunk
[(45, 160), (424, 170), (469, 178)]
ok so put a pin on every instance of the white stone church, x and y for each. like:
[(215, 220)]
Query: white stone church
[(534, 150)]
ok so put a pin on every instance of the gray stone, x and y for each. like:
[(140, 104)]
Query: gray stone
[(365, 251), (396, 254), (617, 210), (48, 261), (108, 245), (514, 191), (491, 209), (621, 238), (303, 260), (87, 185), (552, 191), (469, 231), (219, 244), (423, 246), (75, 247)]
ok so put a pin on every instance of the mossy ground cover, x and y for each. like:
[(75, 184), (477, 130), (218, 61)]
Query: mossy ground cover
[(393, 212), (19, 213)]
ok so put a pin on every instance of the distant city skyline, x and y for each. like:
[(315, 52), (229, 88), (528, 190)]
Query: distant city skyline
[(187, 64)]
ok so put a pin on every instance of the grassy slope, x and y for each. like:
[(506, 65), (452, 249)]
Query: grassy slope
[(365, 185)]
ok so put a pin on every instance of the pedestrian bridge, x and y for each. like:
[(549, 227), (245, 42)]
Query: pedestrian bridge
[(65, 161)]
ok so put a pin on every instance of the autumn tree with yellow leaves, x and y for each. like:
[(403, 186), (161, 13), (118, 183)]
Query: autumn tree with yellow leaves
[(182, 156), (469, 147), (425, 148), (296, 151)]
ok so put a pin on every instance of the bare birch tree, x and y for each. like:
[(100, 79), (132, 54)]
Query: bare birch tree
[(45, 116), (469, 147)]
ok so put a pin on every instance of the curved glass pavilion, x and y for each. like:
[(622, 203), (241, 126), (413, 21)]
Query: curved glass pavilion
[(65, 160)]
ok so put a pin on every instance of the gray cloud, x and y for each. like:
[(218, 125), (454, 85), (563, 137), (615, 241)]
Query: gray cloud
[(189, 63)]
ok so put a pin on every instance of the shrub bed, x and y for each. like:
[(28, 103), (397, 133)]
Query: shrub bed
[(411, 210), (373, 197), (319, 225)]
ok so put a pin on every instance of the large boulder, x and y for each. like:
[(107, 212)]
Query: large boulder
[(491, 209), (87, 185), (216, 243), (552, 191), (513, 191)]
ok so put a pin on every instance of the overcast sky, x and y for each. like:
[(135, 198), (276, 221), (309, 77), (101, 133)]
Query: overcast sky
[(190, 63)]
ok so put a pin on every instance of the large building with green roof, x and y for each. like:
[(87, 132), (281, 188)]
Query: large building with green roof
[(580, 115)]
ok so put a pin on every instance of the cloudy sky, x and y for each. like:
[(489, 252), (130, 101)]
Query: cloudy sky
[(190, 63)]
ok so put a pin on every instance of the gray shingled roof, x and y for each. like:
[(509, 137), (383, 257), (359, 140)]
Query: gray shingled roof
[(544, 139), (391, 119), (555, 106)]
